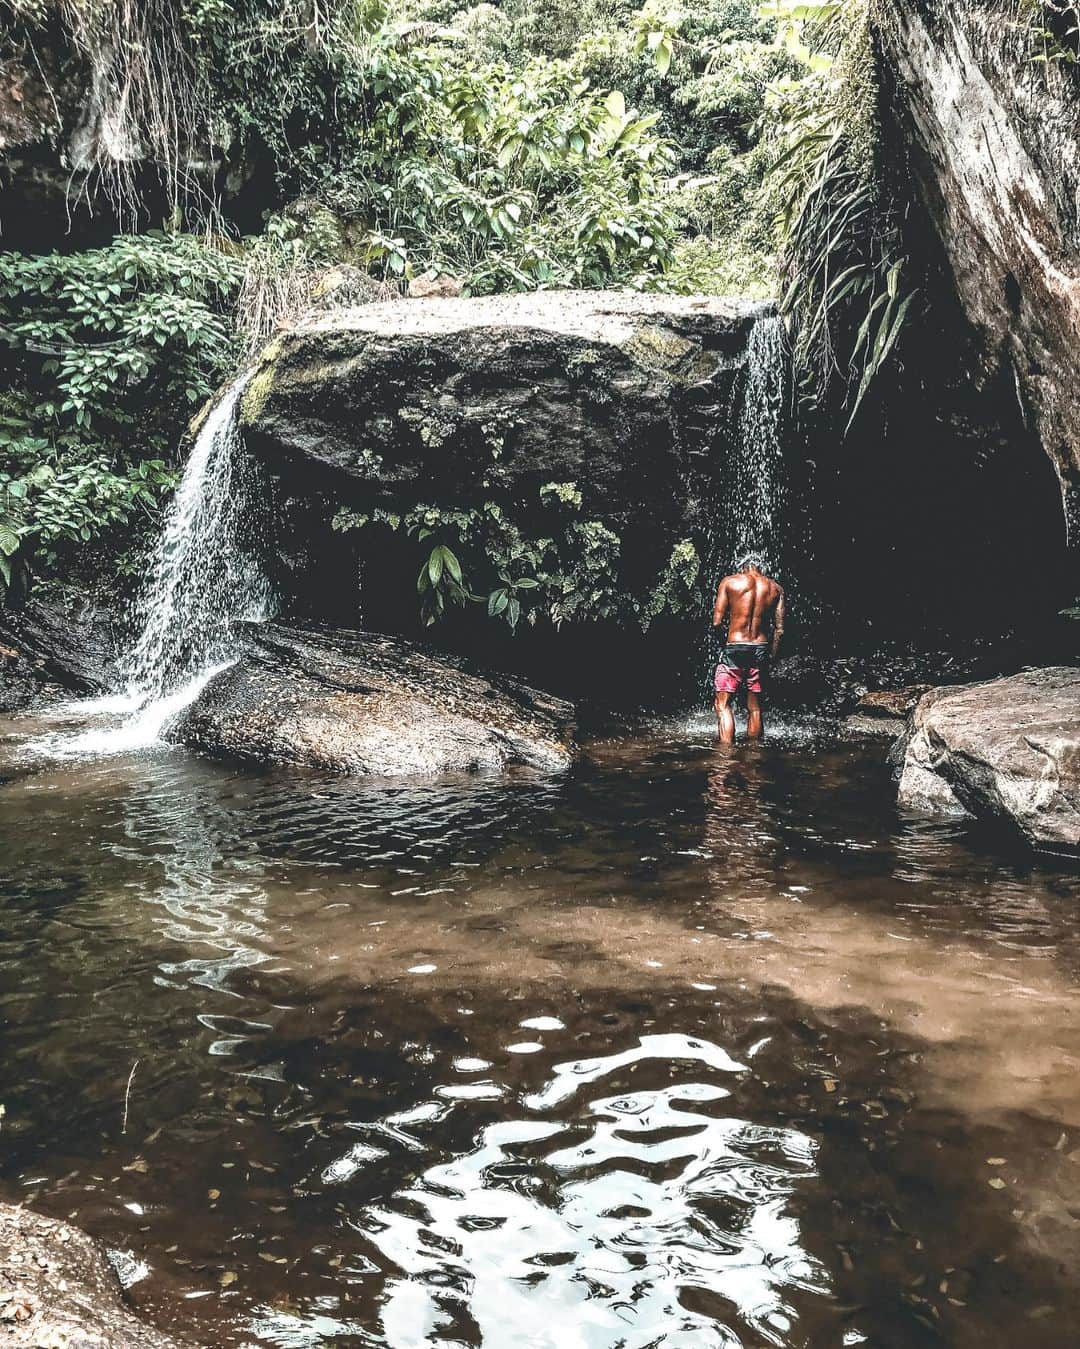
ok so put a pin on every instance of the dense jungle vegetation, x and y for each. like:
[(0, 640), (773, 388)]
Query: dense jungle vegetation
[(257, 158)]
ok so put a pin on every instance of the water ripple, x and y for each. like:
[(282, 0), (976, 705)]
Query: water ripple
[(603, 1229)]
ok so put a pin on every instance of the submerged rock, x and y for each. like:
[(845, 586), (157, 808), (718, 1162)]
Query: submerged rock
[(1008, 749), (358, 702), (57, 1289)]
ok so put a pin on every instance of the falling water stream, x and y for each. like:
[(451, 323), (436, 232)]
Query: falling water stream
[(751, 518), (748, 513), (204, 576)]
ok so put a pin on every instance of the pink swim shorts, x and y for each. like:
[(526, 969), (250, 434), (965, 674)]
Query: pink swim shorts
[(741, 661)]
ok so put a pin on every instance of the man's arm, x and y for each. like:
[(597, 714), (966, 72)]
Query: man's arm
[(778, 625), (720, 608)]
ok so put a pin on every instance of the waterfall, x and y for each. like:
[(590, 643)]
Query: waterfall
[(203, 576), (754, 495), (747, 513)]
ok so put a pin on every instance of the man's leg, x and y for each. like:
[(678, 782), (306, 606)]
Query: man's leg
[(725, 718), (755, 724)]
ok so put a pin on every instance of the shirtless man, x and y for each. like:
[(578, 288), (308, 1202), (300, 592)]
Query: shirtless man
[(754, 608)]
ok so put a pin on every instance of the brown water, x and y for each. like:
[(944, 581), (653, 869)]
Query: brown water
[(686, 1048)]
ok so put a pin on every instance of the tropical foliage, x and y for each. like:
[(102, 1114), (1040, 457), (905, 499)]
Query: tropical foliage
[(406, 154), (108, 351), (1050, 30), (569, 570), (532, 143)]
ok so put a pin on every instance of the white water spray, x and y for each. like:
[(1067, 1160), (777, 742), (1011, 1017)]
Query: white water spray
[(204, 577), (755, 496)]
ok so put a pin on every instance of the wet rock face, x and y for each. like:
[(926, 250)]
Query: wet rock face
[(57, 1289), (1008, 749), (994, 142), (44, 647), (884, 715), (31, 172), (356, 702), (574, 384), (464, 401)]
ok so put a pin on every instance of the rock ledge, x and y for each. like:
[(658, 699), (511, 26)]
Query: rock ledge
[(58, 1291), (359, 702), (1008, 749)]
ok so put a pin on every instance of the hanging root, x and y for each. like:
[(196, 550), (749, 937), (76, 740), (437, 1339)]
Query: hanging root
[(147, 102)]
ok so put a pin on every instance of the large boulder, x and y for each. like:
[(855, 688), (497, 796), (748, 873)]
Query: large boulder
[(992, 135), (357, 702), (58, 1289), (1008, 749), (614, 391), (594, 429)]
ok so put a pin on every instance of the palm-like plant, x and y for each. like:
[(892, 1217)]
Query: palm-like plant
[(842, 253)]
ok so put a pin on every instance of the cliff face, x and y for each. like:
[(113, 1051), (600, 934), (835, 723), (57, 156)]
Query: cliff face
[(993, 142)]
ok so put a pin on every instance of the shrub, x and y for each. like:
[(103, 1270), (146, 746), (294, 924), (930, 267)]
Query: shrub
[(105, 353)]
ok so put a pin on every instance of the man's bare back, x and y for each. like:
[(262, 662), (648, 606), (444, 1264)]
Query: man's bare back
[(752, 604)]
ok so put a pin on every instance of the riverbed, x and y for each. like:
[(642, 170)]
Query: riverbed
[(685, 1047)]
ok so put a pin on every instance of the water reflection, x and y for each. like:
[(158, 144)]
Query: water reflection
[(649, 1218), (741, 828), (690, 1047), (210, 901)]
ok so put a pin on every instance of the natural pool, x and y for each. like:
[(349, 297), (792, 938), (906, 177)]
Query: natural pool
[(685, 1048)]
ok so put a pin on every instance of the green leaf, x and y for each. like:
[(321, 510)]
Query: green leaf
[(509, 150), (453, 566), (616, 104)]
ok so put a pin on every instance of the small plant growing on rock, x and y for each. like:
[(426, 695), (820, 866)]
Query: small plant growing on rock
[(441, 580), (1051, 30)]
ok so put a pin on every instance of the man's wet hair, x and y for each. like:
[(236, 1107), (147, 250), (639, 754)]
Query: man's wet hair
[(750, 560)]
